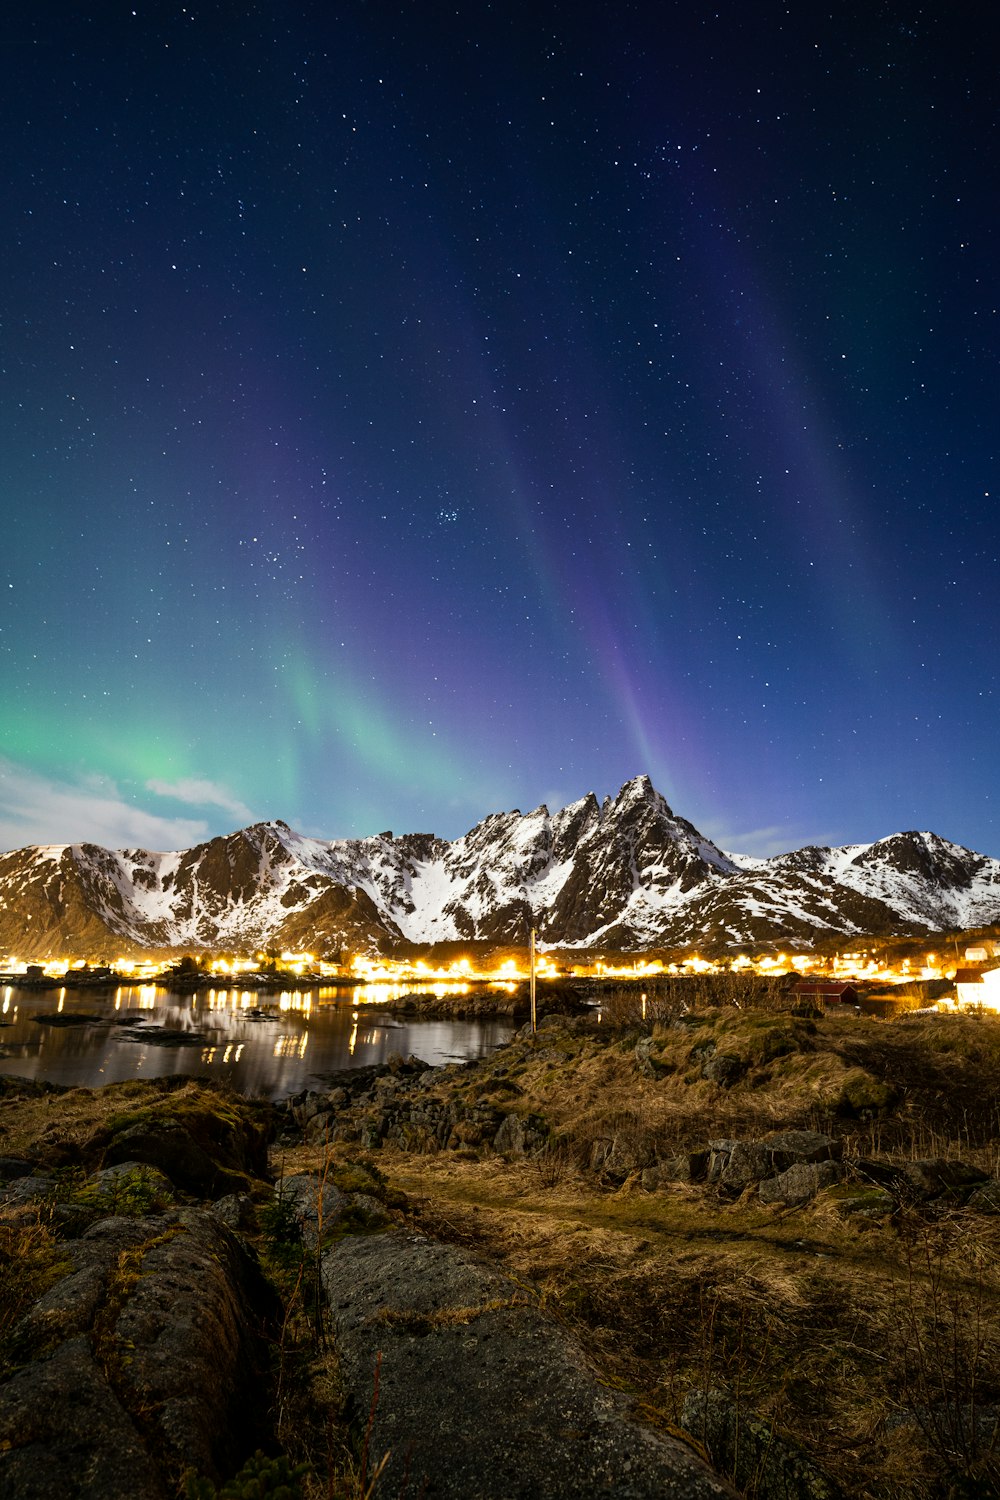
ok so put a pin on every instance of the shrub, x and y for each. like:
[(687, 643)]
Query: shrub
[(260, 1477)]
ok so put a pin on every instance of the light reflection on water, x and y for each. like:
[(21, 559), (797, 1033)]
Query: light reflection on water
[(262, 1042)]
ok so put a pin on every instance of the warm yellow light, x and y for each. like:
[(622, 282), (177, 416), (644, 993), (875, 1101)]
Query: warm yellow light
[(700, 965)]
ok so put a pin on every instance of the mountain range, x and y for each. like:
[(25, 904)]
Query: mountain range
[(625, 874)]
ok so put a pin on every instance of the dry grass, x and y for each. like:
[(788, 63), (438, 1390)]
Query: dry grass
[(311, 1421), (67, 1127), (34, 1124), (31, 1260), (849, 1336), (924, 1087), (874, 1344)]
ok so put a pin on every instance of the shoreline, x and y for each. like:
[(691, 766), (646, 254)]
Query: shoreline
[(721, 1207)]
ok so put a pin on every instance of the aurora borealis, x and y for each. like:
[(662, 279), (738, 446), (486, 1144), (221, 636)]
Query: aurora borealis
[(409, 412)]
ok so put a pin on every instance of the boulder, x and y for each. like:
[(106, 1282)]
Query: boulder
[(306, 1105), (790, 1146), (724, 1069), (319, 1127), (237, 1211), (734, 1165), (935, 1177), (643, 1065), (521, 1134), (479, 1125), (206, 1143), (985, 1199), (129, 1179), (926, 1180), (188, 1337), (12, 1167), (411, 1066), (719, 1152), (452, 1371), (871, 1169), (64, 1432), (172, 1150), (146, 1357), (689, 1166), (746, 1447), (800, 1183), (26, 1192), (317, 1205), (627, 1154), (368, 1211)]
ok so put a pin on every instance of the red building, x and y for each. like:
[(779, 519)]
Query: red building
[(825, 992)]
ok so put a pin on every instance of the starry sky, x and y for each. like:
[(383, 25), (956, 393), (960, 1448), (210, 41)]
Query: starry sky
[(410, 411)]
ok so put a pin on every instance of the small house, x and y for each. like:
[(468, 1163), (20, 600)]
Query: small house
[(824, 992), (978, 987)]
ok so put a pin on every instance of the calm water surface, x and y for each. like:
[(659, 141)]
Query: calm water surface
[(265, 1043)]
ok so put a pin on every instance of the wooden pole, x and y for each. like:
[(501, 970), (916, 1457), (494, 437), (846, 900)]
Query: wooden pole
[(531, 979)]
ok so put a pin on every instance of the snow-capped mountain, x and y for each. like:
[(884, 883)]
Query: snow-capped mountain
[(626, 874)]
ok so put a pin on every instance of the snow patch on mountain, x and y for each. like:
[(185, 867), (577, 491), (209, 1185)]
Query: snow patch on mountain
[(626, 872)]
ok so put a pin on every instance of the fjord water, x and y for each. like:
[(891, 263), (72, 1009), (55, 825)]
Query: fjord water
[(264, 1043)]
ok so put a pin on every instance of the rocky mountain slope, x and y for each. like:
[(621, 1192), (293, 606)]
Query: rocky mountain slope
[(626, 874)]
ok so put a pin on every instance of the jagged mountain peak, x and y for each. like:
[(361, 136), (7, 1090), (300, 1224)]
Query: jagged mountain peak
[(624, 872), (639, 788), (923, 855), (914, 838), (576, 819)]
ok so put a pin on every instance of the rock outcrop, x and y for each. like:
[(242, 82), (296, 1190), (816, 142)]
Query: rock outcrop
[(747, 1447), (466, 1389), (147, 1351), (145, 1358)]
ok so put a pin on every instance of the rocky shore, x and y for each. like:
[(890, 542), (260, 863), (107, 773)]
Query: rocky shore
[(147, 1359), (607, 1261)]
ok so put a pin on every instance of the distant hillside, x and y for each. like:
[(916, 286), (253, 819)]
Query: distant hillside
[(626, 874)]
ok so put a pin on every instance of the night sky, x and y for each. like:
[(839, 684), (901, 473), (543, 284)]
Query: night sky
[(412, 411)]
